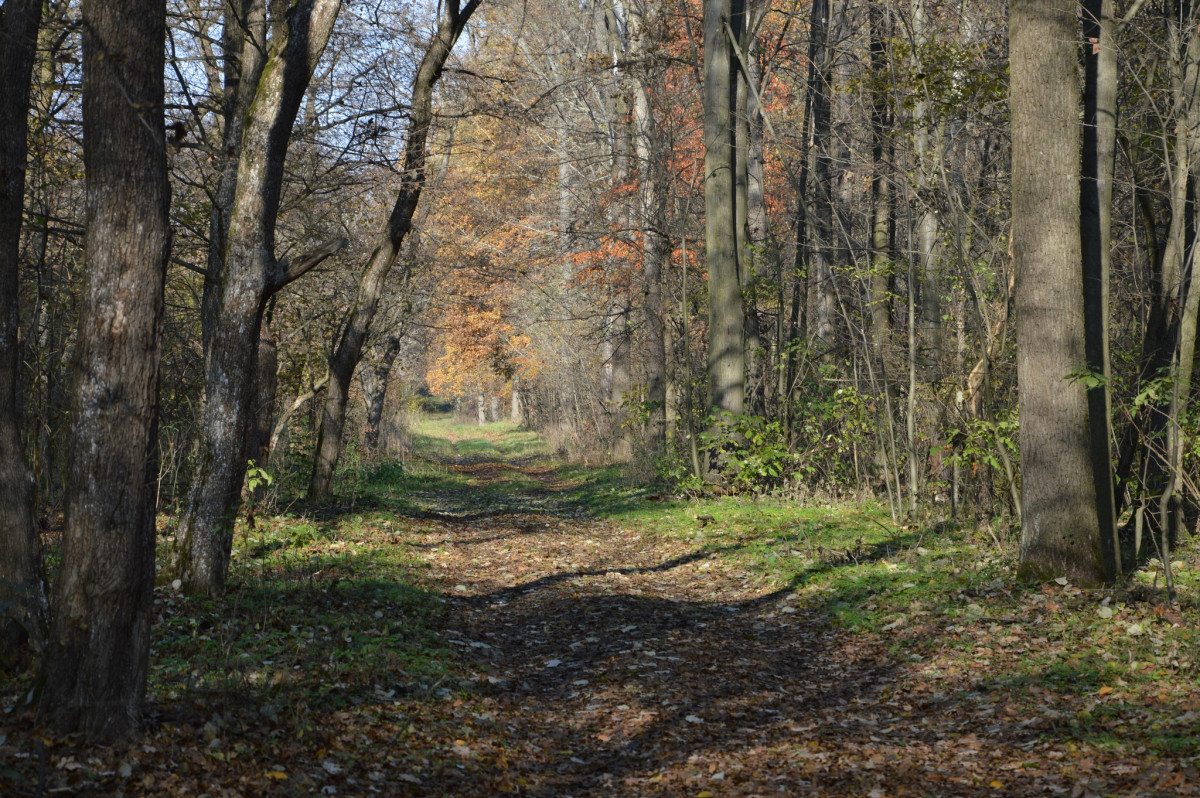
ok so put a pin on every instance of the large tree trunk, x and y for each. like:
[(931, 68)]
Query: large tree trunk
[(1058, 496), (22, 596), (99, 647), (1099, 150), (250, 275), (726, 359), (348, 351)]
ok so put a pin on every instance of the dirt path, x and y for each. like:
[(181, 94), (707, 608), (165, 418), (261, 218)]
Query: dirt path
[(616, 664), (506, 638)]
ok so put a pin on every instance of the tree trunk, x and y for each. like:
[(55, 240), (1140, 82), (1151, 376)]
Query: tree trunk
[(751, 205), (821, 217), (1058, 496), (375, 384), (1187, 157), (22, 594), (881, 121), (1099, 151), (926, 233), (515, 409), (244, 41), (250, 275), (99, 646), (348, 351), (653, 190), (266, 382), (726, 360)]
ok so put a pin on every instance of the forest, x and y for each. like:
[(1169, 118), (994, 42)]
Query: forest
[(630, 397)]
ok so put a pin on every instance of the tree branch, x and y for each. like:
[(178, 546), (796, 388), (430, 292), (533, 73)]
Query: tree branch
[(285, 272)]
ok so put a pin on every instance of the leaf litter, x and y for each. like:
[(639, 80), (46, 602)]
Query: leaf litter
[(569, 654)]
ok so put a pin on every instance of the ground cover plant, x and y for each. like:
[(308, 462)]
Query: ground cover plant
[(485, 620)]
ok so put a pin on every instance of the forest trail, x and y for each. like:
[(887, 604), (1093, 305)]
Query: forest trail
[(615, 662), (486, 620), (620, 664)]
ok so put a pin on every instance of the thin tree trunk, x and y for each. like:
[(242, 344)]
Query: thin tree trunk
[(348, 351), (22, 594), (244, 44), (1189, 146), (99, 647), (881, 122), (1099, 151), (656, 250), (375, 384), (266, 382), (1058, 497), (821, 217)]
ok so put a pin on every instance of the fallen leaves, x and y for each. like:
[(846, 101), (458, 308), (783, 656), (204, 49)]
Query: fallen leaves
[(591, 657)]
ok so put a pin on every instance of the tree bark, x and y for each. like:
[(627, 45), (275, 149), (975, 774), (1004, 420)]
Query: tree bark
[(726, 359), (22, 594), (99, 646), (820, 218), (1058, 496), (656, 248), (266, 382), (348, 351), (926, 233), (881, 217), (375, 384), (250, 275), (244, 43), (1096, 187)]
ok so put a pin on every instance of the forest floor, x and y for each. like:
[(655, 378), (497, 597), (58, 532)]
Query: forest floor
[(484, 620)]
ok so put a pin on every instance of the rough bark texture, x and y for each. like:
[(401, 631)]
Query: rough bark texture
[(250, 275), (348, 352), (726, 362), (99, 646), (22, 596), (1058, 497), (244, 41)]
